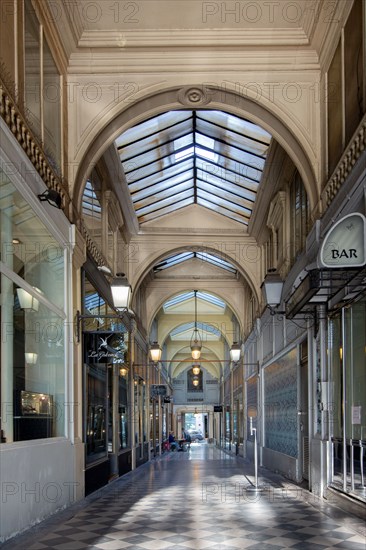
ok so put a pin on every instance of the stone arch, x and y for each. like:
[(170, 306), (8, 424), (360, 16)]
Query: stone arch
[(212, 351), (148, 265), (167, 332), (264, 113)]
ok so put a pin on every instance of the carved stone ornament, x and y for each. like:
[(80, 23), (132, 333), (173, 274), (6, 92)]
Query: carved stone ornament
[(194, 97)]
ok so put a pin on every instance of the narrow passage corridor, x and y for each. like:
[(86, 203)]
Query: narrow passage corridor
[(197, 499)]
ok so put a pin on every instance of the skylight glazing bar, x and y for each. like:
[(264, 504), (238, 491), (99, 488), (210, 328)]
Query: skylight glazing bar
[(219, 166), (225, 203), (214, 189), (155, 147), (241, 190), (214, 260), (161, 197), (232, 146), (162, 158), (166, 210), (161, 186), (224, 211), (227, 157), (173, 260), (225, 128), (165, 174), (147, 136)]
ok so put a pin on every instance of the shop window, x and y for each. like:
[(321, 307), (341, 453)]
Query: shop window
[(43, 105), (105, 349), (51, 97), (354, 69), (346, 103), (123, 417), (335, 108), (32, 368), (299, 212), (347, 366), (96, 412), (32, 67)]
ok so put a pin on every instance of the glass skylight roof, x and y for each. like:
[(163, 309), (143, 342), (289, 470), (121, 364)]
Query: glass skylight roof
[(91, 204), (200, 157), (203, 256), (183, 297), (202, 327)]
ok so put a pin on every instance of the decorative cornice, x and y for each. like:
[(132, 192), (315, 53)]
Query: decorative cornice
[(13, 118), (345, 165), (96, 38), (192, 231), (200, 60)]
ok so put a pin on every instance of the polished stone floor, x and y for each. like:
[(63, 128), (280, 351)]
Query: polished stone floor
[(200, 499)]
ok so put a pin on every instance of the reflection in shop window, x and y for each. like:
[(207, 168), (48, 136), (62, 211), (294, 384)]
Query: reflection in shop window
[(32, 368)]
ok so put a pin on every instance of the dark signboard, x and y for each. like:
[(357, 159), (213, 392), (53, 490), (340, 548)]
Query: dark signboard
[(158, 389), (218, 408), (104, 347)]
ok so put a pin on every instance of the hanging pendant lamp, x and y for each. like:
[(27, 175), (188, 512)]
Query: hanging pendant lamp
[(196, 343)]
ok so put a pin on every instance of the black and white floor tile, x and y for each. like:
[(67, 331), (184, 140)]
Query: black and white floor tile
[(196, 500)]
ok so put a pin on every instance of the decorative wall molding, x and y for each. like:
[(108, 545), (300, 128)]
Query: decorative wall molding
[(91, 246), (345, 165)]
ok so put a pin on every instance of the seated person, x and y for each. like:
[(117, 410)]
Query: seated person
[(172, 442)]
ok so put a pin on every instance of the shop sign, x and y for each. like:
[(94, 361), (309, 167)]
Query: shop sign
[(104, 347), (345, 243), (158, 389)]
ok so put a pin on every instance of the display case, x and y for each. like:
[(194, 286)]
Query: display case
[(33, 418)]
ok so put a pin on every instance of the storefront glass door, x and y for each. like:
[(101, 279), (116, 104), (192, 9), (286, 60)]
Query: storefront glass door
[(347, 356)]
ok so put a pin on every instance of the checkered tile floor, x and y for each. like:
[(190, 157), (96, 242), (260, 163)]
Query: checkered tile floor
[(198, 499)]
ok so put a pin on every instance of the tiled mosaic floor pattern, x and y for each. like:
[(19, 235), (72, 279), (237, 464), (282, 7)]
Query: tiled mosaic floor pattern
[(199, 499)]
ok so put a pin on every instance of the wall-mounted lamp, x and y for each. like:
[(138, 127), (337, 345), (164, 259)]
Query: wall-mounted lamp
[(123, 371), (121, 291), (235, 352), (155, 352), (52, 196), (272, 287), (27, 301), (31, 358)]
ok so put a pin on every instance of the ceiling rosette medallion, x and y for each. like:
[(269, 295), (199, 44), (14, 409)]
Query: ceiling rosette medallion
[(194, 96)]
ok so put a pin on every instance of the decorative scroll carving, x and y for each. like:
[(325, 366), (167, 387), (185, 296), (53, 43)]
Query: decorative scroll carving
[(345, 165), (21, 130)]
